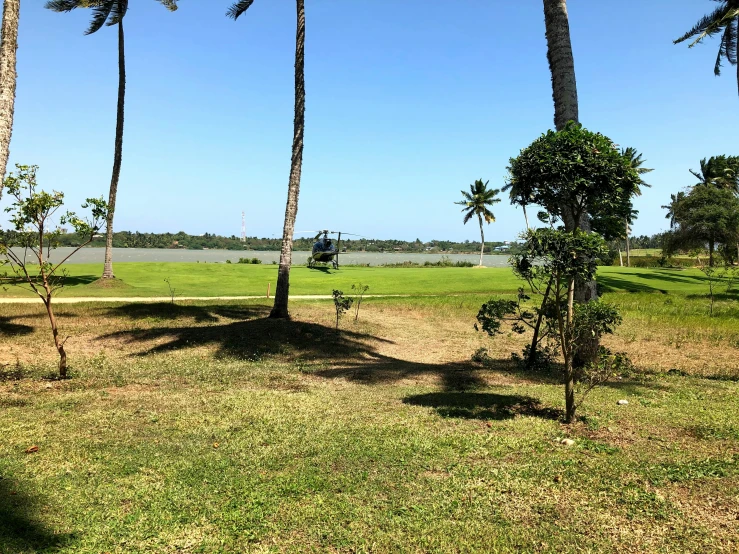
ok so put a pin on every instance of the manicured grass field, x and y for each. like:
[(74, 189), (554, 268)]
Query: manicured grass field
[(147, 279), (207, 427)]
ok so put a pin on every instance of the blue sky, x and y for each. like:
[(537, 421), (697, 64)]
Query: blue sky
[(407, 103)]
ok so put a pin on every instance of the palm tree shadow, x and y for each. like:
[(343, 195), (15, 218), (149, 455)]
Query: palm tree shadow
[(20, 531), (483, 405), (242, 332)]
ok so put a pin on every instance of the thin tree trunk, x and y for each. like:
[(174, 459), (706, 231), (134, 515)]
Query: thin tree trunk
[(569, 361), (279, 310), (561, 63), (535, 340), (628, 246), (620, 257), (482, 238), (526, 217), (711, 247), (8, 77), (118, 154)]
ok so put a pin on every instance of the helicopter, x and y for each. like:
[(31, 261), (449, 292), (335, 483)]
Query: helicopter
[(324, 250)]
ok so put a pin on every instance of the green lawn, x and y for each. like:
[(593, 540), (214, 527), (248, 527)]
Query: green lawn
[(207, 427), (147, 279)]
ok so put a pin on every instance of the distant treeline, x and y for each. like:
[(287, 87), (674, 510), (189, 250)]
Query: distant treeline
[(127, 239)]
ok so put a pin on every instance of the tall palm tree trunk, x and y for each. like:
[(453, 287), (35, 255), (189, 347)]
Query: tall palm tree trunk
[(8, 48), (118, 154), (279, 310), (482, 238), (561, 63), (628, 246)]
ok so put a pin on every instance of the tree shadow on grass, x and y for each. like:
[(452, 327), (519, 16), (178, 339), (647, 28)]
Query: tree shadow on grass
[(251, 336), (483, 405), (7, 327), (69, 280), (20, 530)]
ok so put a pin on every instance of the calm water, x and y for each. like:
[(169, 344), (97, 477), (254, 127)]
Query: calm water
[(95, 255)]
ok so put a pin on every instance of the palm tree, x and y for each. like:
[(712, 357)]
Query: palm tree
[(719, 171), (8, 48), (476, 202), (279, 310), (109, 13), (636, 161), (518, 196), (671, 208), (723, 20), (561, 63)]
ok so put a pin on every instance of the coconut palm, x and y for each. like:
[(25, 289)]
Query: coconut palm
[(724, 20), (561, 63), (636, 161), (8, 48), (671, 208), (279, 310), (719, 171), (476, 202), (109, 13)]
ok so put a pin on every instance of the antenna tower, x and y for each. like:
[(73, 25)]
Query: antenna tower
[(243, 227)]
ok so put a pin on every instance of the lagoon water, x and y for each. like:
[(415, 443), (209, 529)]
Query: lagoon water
[(95, 255)]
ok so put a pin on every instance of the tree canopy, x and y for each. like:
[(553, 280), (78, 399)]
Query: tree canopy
[(576, 171)]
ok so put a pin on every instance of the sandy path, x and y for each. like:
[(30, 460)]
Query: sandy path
[(81, 299)]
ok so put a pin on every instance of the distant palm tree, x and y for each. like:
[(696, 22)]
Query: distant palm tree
[(279, 310), (476, 202), (518, 196), (723, 20), (8, 75), (719, 171), (109, 13), (671, 208), (636, 161)]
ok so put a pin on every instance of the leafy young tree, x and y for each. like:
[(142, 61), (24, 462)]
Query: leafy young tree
[(109, 13), (31, 220), (476, 202), (8, 77), (578, 177), (550, 262), (724, 20), (280, 308), (705, 215)]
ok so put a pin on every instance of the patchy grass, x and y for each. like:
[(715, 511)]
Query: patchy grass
[(207, 427)]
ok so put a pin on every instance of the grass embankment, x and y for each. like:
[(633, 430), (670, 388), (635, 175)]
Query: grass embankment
[(206, 427), (203, 280)]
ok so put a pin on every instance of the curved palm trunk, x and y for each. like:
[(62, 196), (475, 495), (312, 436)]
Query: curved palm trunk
[(118, 155), (561, 63), (8, 48), (279, 310), (526, 217), (482, 238)]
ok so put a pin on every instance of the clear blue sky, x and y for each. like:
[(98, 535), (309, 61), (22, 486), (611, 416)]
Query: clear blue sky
[(407, 103)]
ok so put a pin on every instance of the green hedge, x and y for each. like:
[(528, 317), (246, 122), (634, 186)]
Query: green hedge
[(656, 261)]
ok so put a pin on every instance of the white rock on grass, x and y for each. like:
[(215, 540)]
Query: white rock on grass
[(623, 402), (567, 442)]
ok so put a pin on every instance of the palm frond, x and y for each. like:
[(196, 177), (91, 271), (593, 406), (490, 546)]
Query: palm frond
[(468, 215), (63, 5), (120, 8), (238, 8), (171, 5), (100, 14), (708, 25)]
